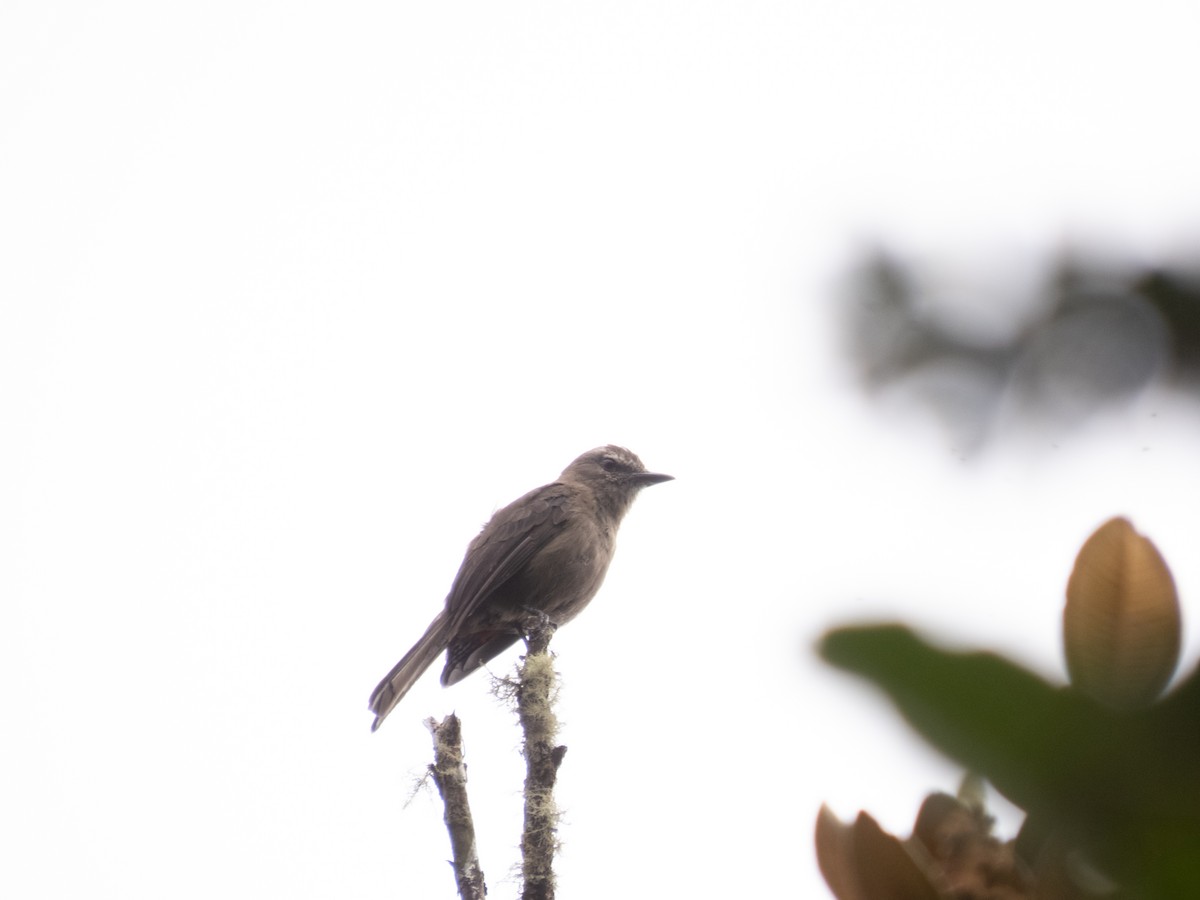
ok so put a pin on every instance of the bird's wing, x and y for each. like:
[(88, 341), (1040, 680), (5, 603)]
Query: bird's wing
[(506, 544)]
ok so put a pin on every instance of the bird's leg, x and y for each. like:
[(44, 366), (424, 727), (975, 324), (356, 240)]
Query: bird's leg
[(536, 624)]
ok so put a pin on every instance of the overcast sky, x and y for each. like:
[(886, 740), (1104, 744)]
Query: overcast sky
[(293, 296)]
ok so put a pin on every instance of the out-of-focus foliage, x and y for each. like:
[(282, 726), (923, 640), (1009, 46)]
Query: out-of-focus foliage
[(1111, 789), (1091, 335), (951, 853), (1122, 624)]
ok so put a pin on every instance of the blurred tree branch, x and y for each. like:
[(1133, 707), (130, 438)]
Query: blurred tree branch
[(1095, 334)]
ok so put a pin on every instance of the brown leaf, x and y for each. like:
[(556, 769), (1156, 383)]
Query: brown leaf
[(970, 862), (835, 855), (863, 862), (1121, 625)]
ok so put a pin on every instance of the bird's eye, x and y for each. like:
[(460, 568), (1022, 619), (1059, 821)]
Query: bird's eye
[(609, 464)]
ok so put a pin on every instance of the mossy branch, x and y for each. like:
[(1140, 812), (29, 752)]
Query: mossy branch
[(535, 697), (449, 773)]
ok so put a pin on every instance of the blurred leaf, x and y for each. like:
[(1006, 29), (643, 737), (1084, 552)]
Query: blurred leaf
[(941, 814), (957, 838), (835, 855), (972, 791), (1126, 787), (1121, 626), (978, 708), (864, 862)]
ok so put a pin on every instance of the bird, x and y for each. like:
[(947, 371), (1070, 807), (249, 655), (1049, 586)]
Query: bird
[(545, 553)]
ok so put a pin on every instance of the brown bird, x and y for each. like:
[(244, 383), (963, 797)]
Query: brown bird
[(547, 552)]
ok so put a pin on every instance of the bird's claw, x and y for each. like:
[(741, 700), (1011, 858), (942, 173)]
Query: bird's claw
[(536, 622)]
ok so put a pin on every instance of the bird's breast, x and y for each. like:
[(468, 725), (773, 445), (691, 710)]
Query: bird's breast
[(566, 574)]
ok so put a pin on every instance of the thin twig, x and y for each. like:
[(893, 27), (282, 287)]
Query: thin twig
[(450, 775), (542, 759)]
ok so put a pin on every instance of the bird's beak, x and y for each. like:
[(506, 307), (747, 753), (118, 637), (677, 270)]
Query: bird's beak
[(645, 479)]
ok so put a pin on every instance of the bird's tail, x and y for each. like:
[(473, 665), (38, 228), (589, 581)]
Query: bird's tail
[(406, 672)]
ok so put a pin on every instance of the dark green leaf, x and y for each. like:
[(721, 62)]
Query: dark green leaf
[(1126, 784)]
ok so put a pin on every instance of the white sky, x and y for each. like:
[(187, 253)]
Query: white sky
[(294, 295)]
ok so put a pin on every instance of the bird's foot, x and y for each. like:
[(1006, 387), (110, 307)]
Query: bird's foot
[(536, 624)]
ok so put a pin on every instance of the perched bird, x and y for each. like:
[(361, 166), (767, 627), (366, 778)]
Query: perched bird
[(547, 552)]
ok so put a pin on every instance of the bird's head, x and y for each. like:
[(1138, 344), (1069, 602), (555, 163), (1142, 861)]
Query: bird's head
[(613, 473)]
